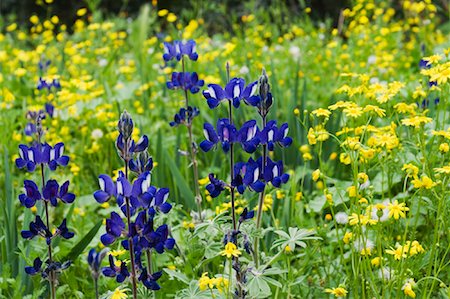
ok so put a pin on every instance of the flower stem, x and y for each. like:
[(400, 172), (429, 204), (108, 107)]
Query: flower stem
[(96, 287), (130, 239), (52, 275), (260, 202), (192, 150)]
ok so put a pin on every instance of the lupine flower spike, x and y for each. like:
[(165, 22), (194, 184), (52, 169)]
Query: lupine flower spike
[(40, 156), (135, 224), (188, 82)]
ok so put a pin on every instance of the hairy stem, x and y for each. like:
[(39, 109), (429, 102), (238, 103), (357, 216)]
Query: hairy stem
[(192, 150), (130, 239), (52, 275), (260, 201)]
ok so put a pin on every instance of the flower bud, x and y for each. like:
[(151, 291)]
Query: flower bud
[(125, 125)]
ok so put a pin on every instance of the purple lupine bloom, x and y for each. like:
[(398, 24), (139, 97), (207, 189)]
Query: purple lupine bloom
[(133, 147), (271, 134), (248, 175), (63, 231), (32, 156), (142, 163), (107, 189), (160, 240), (273, 172), (52, 192), (120, 273), (178, 49), (226, 134), (246, 215), (248, 136), (149, 280), (36, 268), (234, 91), (50, 109), (185, 81), (114, 229), (95, 259), (37, 228), (215, 187), (31, 195), (161, 203), (185, 116)]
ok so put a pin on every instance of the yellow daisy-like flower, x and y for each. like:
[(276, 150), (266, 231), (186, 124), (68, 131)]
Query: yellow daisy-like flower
[(397, 210), (443, 170), (354, 111), (119, 294), (321, 112), (416, 121), (408, 288), (338, 292), (423, 182), (398, 253), (411, 170), (231, 250)]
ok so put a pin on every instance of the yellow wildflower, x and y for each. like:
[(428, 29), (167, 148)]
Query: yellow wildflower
[(337, 292), (119, 294), (423, 182), (231, 250), (408, 288), (397, 210)]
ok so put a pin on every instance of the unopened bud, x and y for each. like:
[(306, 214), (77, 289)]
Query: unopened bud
[(125, 125)]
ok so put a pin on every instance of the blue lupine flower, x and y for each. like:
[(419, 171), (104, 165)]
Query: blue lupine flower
[(43, 65), (95, 259), (120, 273), (247, 175), (107, 189), (57, 157), (149, 280), (36, 268), (142, 163), (246, 215), (63, 231), (114, 229), (271, 134), (37, 228), (43, 84), (30, 157), (50, 109), (177, 49), (248, 136), (215, 187), (424, 64), (52, 192), (185, 81), (55, 267), (273, 172), (133, 147), (161, 203), (226, 134), (31, 195), (185, 116), (160, 240), (234, 91)]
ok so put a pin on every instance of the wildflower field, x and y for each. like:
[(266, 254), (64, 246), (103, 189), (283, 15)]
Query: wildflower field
[(265, 152)]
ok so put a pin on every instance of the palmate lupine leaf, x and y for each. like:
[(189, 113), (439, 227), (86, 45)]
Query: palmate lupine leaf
[(294, 237)]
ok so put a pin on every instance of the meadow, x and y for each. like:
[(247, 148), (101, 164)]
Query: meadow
[(160, 156)]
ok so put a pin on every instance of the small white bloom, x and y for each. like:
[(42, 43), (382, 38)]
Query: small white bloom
[(295, 52), (97, 134), (372, 59), (244, 70), (341, 218)]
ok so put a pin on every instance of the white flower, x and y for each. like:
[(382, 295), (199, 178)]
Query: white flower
[(97, 134), (372, 59), (295, 52), (244, 70), (363, 244), (102, 62), (341, 218), (385, 273)]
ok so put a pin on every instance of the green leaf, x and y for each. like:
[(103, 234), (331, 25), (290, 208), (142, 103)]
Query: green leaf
[(180, 276), (83, 243), (183, 186)]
